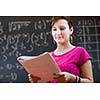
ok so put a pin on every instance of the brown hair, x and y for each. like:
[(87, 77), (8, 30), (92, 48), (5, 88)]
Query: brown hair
[(70, 23), (67, 18)]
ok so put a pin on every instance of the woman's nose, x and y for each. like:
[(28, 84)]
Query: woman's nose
[(58, 32)]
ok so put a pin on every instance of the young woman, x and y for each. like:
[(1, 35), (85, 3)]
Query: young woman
[(73, 61)]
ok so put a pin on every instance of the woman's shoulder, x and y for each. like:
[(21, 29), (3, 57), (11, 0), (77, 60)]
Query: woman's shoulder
[(80, 48)]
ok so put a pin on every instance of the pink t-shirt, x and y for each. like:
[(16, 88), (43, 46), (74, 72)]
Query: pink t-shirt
[(72, 60)]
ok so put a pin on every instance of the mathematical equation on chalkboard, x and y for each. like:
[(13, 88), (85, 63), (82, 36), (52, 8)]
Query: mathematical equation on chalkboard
[(16, 38), (13, 41), (88, 36)]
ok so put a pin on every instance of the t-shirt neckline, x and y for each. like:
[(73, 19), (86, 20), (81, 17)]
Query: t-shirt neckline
[(63, 53)]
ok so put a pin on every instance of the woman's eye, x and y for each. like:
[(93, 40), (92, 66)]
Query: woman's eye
[(55, 29), (63, 28)]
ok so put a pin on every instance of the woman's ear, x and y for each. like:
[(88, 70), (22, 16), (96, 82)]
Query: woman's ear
[(72, 30)]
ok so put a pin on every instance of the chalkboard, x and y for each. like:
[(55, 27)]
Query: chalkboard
[(88, 36), (30, 35)]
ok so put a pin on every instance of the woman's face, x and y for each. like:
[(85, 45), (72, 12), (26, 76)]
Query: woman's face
[(61, 31)]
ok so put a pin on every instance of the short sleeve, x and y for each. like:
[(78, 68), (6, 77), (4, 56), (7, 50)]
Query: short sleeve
[(84, 56)]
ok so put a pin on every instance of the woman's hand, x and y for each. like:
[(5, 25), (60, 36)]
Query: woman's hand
[(62, 77), (65, 77), (33, 79)]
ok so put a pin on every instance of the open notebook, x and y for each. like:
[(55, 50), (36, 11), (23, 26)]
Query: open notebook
[(42, 67)]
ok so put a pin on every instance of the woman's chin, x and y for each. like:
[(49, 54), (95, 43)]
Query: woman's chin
[(60, 42)]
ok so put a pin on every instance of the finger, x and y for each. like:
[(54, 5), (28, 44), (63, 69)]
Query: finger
[(30, 77), (54, 73), (60, 79), (58, 75)]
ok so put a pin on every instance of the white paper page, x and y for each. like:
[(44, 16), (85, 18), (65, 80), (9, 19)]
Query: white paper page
[(42, 67)]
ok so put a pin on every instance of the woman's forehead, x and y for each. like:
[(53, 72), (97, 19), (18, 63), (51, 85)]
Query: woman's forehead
[(61, 22)]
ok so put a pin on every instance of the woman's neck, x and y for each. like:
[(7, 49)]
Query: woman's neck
[(63, 48)]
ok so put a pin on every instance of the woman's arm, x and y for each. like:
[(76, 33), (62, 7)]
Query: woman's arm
[(87, 73)]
